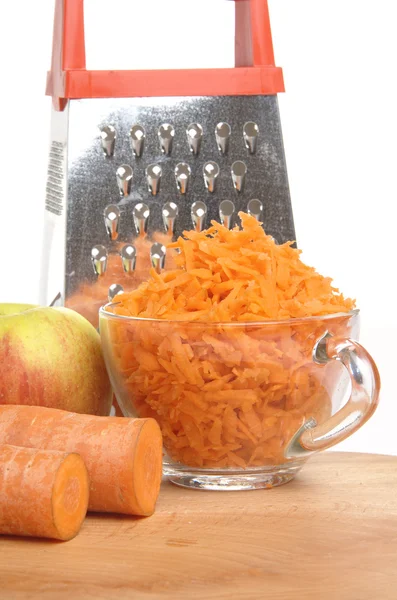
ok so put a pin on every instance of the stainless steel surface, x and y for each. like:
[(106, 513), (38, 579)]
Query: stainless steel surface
[(108, 139), (211, 172), (88, 184), (99, 258), (124, 176), (157, 256), (166, 134), (255, 208), (239, 172), (182, 176), (170, 212), (55, 241), (153, 176), (112, 220), (226, 213), (194, 134), (114, 290), (199, 212), (128, 258), (137, 138), (141, 214), (250, 134), (223, 131)]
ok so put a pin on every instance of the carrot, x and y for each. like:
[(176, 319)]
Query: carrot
[(228, 396), (43, 493), (234, 274), (123, 456)]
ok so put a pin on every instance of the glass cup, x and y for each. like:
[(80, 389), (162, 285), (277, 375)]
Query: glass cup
[(241, 405)]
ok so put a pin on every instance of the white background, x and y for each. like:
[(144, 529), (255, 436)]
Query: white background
[(340, 131)]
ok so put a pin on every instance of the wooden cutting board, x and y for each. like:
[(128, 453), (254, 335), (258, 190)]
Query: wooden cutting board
[(329, 535)]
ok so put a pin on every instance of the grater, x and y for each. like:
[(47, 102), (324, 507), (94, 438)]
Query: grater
[(137, 157)]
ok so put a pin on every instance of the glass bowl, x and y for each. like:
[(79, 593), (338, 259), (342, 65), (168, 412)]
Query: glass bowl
[(241, 405)]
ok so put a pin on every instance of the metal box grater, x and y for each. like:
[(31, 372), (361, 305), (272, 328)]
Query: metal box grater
[(137, 157)]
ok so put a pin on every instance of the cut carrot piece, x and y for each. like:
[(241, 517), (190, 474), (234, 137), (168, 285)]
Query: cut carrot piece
[(43, 493), (123, 456), (228, 387)]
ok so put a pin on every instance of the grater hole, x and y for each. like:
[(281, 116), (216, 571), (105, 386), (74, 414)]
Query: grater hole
[(112, 219), (114, 290), (250, 134), (239, 172), (137, 139), (194, 134), (108, 140), (198, 213), (99, 258), (124, 176), (255, 208), (153, 176), (226, 213), (128, 255), (223, 132), (166, 134), (170, 212), (211, 171), (157, 256), (141, 214), (182, 175)]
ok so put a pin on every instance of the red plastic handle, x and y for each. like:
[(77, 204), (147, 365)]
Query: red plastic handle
[(254, 45), (255, 72)]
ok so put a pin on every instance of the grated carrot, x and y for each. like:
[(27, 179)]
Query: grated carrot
[(229, 395)]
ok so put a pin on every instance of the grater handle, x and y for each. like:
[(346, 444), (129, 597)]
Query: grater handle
[(254, 44), (256, 72), (68, 49)]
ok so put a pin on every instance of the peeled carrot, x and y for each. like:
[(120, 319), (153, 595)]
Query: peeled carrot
[(43, 493), (228, 396), (123, 456)]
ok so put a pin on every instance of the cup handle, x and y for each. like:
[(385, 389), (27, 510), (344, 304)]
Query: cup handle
[(364, 398)]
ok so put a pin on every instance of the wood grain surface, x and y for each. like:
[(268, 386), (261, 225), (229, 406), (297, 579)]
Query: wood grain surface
[(329, 535)]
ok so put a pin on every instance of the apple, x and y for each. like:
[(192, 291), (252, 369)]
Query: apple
[(52, 357)]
